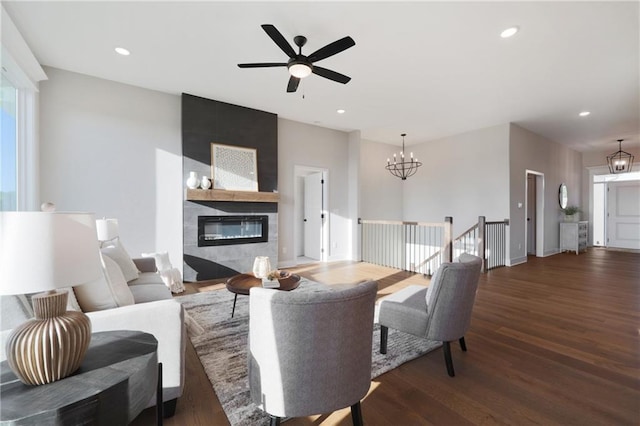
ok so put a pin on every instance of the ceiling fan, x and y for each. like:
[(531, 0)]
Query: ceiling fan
[(299, 65)]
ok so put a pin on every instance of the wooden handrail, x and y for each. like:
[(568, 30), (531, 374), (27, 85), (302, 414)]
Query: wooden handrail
[(399, 222)]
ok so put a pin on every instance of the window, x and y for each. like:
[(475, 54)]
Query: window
[(8, 146)]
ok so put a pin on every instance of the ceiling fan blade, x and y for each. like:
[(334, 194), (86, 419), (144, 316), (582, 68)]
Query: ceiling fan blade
[(279, 39), (331, 75), (263, 65), (332, 48), (293, 84)]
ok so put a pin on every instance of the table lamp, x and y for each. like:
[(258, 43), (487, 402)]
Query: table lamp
[(41, 252), (107, 230)]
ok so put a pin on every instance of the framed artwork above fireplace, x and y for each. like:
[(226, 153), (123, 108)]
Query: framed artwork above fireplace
[(234, 168)]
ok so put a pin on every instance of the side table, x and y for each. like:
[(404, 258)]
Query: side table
[(242, 283), (113, 385)]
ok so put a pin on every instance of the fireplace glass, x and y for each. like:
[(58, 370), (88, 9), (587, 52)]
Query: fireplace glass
[(226, 230)]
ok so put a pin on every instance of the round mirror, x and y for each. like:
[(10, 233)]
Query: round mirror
[(563, 197)]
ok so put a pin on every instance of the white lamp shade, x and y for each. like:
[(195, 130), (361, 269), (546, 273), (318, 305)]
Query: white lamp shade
[(42, 251), (107, 229)]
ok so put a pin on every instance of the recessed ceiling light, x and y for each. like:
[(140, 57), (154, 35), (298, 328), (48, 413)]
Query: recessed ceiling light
[(122, 51), (340, 111), (509, 32), (584, 113)]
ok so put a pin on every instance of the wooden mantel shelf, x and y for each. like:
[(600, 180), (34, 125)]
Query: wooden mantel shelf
[(238, 196)]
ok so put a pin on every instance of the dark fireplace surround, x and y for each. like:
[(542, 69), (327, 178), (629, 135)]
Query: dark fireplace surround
[(206, 121)]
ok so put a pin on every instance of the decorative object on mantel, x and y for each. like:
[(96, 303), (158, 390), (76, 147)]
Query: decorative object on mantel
[(403, 168), (571, 213), (205, 182), (620, 161), (192, 181), (51, 346), (234, 167)]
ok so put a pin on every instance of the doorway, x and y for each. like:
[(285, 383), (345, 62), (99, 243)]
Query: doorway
[(531, 214), (534, 213), (310, 212), (616, 210)]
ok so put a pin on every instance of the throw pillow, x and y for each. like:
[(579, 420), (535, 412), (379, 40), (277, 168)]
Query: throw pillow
[(72, 302), (124, 261), (118, 283), (162, 260), (107, 292), (170, 276), (14, 310), (172, 279)]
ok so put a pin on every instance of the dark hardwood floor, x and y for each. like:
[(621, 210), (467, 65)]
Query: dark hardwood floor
[(552, 341)]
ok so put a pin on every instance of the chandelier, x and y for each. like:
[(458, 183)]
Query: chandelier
[(403, 168), (620, 161)]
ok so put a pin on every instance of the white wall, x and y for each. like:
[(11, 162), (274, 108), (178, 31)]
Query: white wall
[(464, 176), (301, 144), (529, 151), (115, 150), (380, 191)]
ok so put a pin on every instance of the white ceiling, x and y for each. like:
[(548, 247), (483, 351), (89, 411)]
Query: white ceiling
[(430, 69)]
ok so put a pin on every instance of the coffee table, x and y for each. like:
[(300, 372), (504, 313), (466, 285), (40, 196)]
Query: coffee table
[(242, 283)]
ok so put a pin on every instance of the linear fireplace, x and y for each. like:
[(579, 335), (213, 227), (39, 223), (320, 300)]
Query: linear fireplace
[(226, 230)]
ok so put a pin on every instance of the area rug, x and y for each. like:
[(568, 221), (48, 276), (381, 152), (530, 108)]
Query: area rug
[(221, 344)]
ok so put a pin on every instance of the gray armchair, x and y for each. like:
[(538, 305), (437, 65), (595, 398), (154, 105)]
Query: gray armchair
[(310, 353), (441, 312)]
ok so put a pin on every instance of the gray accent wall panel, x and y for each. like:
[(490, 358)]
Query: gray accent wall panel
[(205, 121)]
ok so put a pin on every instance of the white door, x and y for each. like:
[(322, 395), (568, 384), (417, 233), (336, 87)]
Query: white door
[(623, 210), (313, 216)]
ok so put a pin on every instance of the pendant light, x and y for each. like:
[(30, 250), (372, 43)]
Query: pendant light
[(620, 161), (402, 167)]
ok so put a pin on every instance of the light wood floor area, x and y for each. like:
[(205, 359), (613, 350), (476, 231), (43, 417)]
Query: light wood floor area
[(552, 341)]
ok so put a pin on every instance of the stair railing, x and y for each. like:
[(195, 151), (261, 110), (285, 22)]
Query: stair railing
[(411, 246), (421, 247), (486, 240)]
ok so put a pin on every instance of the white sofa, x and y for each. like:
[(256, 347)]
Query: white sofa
[(154, 311)]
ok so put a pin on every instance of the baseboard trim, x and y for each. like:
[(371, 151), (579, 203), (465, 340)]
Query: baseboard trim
[(551, 252), (516, 261)]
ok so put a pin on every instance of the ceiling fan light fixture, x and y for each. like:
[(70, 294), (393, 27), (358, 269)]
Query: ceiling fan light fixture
[(299, 65), (300, 70)]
